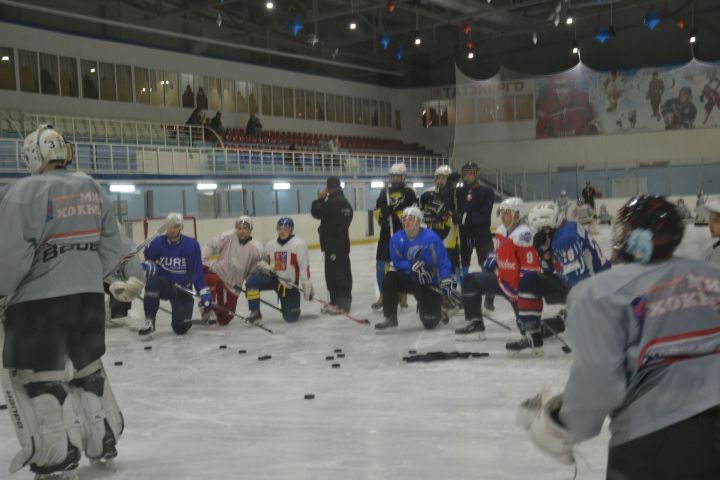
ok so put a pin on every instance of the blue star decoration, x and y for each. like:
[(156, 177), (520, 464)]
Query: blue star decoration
[(296, 26), (399, 52), (652, 19), (384, 41), (602, 35)]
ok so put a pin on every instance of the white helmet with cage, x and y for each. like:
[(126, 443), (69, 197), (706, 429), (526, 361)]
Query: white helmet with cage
[(244, 220), (413, 211), (443, 170), (174, 218), (512, 204), (43, 146), (544, 215)]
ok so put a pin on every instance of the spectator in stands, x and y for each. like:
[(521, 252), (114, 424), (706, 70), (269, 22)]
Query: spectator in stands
[(250, 127), (216, 124), (196, 117), (201, 100), (188, 99), (293, 160)]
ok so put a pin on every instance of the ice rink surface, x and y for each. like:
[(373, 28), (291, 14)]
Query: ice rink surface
[(195, 411)]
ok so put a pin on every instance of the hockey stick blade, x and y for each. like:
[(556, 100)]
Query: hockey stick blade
[(125, 258), (565, 347)]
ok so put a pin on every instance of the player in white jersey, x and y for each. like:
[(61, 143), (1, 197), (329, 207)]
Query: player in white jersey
[(237, 254), (59, 239), (283, 268), (647, 354)]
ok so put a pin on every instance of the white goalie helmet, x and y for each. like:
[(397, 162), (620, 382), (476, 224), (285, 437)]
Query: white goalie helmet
[(175, 218), (43, 146), (443, 170), (244, 220), (398, 169), (544, 215), (513, 204)]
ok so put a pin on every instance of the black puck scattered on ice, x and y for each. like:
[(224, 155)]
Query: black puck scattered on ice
[(329, 357), (336, 365), (4, 407), (148, 347), (265, 357), (222, 347), (338, 350), (412, 352), (118, 364), (242, 351), (309, 396), (341, 355)]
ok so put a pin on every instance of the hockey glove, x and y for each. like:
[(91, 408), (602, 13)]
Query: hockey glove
[(126, 291), (151, 269), (421, 273), (307, 289), (205, 298), (539, 416), (447, 285), (263, 268), (490, 263)]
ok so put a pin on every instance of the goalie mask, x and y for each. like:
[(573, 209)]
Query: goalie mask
[(648, 228), (43, 146)]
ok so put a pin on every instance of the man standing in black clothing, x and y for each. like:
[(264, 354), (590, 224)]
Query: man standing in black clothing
[(335, 214), (588, 194)]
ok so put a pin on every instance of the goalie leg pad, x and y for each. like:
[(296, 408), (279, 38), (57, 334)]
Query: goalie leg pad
[(103, 422), (46, 422)]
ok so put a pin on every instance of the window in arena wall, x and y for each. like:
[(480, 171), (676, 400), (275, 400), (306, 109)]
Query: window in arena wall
[(366, 111), (157, 96), (187, 85), (89, 76), (253, 100), (170, 89), (348, 110), (288, 102), (320, 106), (339, 109), (357, 108), (443, 111), (228, 95), (388, 114), (68, 77), (266, 99), (374, 113), (48, 74), (299, 103), (381, 114), (241, 103), (107, 82), (214, 92), (123, 75), (309, 105), (277, 101), (142, 86), (28, 67), (330, 107), (7, 69), (451, 112)]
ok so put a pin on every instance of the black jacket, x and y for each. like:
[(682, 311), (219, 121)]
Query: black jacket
[(475, 206), (335, 214)]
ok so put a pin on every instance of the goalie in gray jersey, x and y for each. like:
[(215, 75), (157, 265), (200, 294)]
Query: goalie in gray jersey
[(647, 354), (60, 238)]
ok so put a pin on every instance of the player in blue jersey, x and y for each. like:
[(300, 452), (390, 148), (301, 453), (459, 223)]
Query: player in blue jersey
[(568, 255), (173, 259), (420, 266)]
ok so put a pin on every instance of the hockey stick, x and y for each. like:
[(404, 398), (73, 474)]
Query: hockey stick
[(565, 347), (361, 321), (496, 322), (221, 308), (237, 289), (125, 258)]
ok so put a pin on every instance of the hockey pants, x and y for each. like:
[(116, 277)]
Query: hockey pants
[(222, 296), (429, 301), (158, 287), (474, 286), (289, 297)]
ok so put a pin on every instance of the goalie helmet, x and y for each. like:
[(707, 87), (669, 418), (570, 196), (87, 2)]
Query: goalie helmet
[(43, 146), (513, 204), (443, 170), (648, 228), (175, 218), (244, 220), (544, 215)]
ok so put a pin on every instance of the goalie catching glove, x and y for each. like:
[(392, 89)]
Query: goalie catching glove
[(421, 273), (126, 291), (307, 289), (539, 416)]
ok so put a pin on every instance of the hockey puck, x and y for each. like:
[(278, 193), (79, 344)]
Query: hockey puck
[(148, 347), (338, 350), (4, 407), (309, 396), (336, 365), (242, 351), (412, 352), (265, 357), (329, 357), (341, 355), (118, 364), (222, 347)]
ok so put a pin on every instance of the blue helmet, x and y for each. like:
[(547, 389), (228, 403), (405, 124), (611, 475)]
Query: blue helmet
[(286, 222)]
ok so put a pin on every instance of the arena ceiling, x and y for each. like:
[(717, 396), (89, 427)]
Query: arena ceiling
[(501, 32)]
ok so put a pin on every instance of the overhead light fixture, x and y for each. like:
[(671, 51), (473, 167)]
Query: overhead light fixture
[(652, 19), (281, 186), (693, 36), (470, 55), (92, 70), (236, 186), (417, 41), (207, 186), (569, 20), (352, 25), (5, 58), (377, 184), (269, 5), (342, 184), (418, 185), (384, 40), (602, 34), (534, 38), (122, 188), (575, 48)]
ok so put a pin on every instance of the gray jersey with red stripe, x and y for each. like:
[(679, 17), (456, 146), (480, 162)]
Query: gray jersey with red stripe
[(59, 236), (647, 348)]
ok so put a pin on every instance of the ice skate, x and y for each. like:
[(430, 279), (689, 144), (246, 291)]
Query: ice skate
[(474, 330), (255, 318), (444, 317), (208, 317), (67, 475), (389, 322), (66, 470), (147, 329), (330, 309), (489, 303), (378, 304), (530, 342)]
